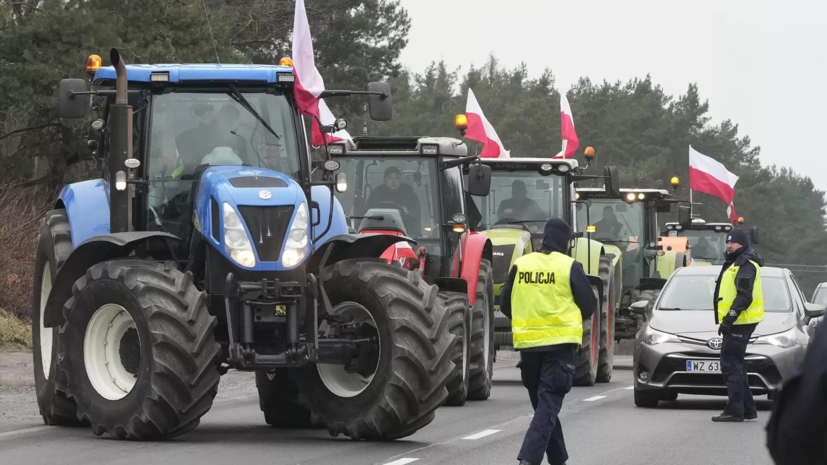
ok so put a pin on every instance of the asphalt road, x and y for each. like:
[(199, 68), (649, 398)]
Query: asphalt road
[(601, 425)]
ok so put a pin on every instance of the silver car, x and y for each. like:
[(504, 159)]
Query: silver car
[(677, 351)]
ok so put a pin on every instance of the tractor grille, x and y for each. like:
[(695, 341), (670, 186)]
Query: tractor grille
[(268, 227), (502, 262)]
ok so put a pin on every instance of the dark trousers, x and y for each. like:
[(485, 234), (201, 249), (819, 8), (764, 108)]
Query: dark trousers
[(548, 378), (733, 349)]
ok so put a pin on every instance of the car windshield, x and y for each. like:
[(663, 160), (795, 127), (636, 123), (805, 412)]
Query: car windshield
[(695, 292), (705, 244), (391, 192), (615, 221), (820, 296), (521, 198), (192, 129)]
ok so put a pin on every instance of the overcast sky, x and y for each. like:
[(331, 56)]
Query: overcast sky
[(759, 63)]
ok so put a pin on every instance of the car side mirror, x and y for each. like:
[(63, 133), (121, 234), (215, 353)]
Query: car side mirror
[(73, 98), (640, 307), (380, 106), (812, 311), (479, 180)]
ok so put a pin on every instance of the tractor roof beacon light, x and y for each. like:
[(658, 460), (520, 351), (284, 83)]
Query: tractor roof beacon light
[(461, 123), (92, 64), (740, 220), (286, 61), (588, 154), (591, 228)]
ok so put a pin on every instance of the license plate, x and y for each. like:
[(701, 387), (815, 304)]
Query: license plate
[(703, 366)]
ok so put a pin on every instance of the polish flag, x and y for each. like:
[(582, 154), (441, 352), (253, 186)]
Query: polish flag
[(327, 119), (711, 177), (480, 130), (309, 83), (570, 142)]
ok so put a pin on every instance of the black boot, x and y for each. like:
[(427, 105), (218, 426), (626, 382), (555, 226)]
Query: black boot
[(725, 417), (751, 416)]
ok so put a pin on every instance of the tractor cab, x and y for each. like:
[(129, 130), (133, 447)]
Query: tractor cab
[(707, 241)]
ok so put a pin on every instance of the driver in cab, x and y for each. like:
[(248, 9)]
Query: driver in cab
[(394, 191), (609, 224), (195, 144), (519, 206)]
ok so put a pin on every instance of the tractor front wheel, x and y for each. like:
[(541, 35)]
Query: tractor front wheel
[(607, 321), (408, 319), (482, 335), (586, 357), (459, 316), (140, 354)]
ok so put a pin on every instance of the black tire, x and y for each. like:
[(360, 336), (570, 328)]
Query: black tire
[(416, 347), (482, 335), (459, 324), (586, 357), (277, 398), (176, 375), (607, 321), (53, 249), (646, 399)]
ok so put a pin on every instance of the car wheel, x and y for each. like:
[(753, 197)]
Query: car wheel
[(646, 399)]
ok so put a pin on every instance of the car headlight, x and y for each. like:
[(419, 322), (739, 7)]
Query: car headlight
[(784, 340), (654, 337), (236, 243), (297, 239)]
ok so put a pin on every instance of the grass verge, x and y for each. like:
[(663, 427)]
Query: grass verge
[(14, 332)]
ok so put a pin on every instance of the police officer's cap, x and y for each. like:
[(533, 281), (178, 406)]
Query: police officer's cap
[(738, 235)]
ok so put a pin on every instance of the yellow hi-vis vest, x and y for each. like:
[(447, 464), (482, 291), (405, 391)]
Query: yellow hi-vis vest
[(543, 311), (728, 291)]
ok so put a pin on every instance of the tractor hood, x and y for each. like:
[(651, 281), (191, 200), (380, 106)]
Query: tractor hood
[(253, 186)]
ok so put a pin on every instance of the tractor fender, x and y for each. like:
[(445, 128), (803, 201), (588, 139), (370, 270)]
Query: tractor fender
[(669, 262), (97, 249), (87, 207), (346, 246), (475, 247), (582, 248)]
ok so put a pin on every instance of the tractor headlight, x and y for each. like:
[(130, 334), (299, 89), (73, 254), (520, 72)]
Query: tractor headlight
[(236, 243), (297, 239)]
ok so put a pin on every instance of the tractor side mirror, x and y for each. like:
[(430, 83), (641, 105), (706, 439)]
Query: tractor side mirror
[(70, 104), (479, 179), (683, 215), (381, 106), (753, 233), (612, 181)]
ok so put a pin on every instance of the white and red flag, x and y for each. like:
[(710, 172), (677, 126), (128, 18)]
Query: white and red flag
[(480, 130), (570, 142), (309, 83), (711, 177), (327, 119)]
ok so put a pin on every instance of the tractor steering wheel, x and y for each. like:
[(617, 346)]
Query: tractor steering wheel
[(395, 206)]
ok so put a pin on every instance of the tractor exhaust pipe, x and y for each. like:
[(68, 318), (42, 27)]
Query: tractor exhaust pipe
[(120, 203)]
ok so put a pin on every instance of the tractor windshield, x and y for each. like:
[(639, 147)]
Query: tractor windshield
[(391, 193), (193, 129), (522, 199), (706, 245), (616, 222)]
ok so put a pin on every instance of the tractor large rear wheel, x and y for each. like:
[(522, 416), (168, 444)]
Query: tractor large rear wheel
[(607, 321), (482, 335), (140, 354), (408, 383), (53, 249), (459, 316), (586, 358)]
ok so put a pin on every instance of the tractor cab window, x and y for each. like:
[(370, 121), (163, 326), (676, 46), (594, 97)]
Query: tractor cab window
[(391, 194), (615, 222), (192, 131), (521, 199), (706, 245)]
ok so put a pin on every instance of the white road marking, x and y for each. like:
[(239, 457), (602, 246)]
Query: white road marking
[(23, 431), (402, 461), (592, 399), (482, 434), (629, 388)]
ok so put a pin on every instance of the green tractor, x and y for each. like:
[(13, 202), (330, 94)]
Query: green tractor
[(525, 193), (627, 226)]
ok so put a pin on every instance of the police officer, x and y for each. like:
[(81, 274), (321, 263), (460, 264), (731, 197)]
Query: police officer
[(547, 297), (740, 307)]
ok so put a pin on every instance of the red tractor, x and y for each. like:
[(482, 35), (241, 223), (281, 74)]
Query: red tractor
[(414, 187)]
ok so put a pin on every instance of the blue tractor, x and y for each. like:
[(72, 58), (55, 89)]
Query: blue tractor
[(211, 243)]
